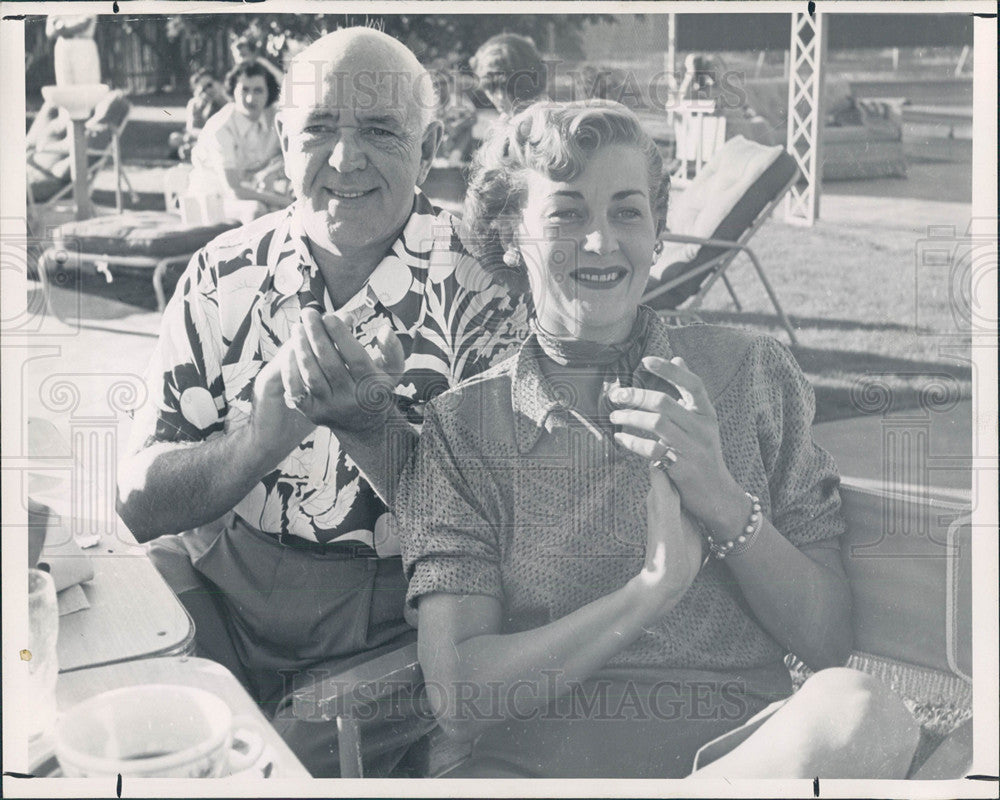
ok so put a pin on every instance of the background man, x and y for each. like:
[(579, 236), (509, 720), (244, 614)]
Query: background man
[(207, 99), (263, 408)]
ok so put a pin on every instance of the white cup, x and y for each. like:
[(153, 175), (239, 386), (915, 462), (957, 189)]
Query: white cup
[(43, 664), (155, 731)]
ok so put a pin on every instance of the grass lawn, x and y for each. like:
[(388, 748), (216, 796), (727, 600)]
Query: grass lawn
[(876, 331)]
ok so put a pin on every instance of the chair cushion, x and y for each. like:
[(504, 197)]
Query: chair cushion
[(138, 233), (718, 188), (752, 199)]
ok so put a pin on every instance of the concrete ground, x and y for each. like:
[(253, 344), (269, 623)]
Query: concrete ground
[(921, 448)]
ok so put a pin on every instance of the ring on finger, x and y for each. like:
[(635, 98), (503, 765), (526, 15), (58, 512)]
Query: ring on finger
[(667, 459), (293, 401)]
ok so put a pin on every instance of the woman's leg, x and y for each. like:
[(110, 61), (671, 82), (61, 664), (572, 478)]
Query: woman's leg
[(842, 723)]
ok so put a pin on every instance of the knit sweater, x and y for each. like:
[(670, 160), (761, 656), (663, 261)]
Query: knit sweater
[(511, 495)]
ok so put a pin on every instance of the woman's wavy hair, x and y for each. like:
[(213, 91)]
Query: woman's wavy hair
[(249, 69), (557, 140)]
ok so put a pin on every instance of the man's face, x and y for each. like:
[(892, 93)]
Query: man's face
[(206, 88), (250, 95), (355, 154)]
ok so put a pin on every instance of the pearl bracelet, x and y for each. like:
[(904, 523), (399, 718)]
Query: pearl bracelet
[(744, 541)]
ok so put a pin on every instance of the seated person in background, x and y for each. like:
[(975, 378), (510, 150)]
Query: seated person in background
[(246, 50), (238, 155), (47, 141), (208, 98), (457, 115), (511, 72), (614, 536)]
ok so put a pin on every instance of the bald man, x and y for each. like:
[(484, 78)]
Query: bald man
[(294, 362)]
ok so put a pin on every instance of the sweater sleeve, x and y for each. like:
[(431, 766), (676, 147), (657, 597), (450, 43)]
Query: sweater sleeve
[(802, 477), (449, 542)]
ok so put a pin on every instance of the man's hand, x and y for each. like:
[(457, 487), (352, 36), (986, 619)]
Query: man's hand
[(277, 429), (333, 380)]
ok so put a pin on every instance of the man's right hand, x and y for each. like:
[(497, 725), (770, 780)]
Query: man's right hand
[(276, 428), (337, 382)]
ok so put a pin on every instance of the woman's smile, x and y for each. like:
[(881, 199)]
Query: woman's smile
[(600, 279)]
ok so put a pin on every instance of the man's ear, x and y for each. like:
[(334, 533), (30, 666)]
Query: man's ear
[(429, 147)]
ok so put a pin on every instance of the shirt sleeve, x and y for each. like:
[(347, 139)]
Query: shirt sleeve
[(220, 147), (448, 543), (802, 477), (186, 399)]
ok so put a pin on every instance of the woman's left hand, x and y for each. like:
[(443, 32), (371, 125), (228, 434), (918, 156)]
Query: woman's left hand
[(689, 430)]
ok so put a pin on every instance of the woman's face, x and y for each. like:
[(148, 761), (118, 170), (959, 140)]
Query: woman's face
[(588, 245)]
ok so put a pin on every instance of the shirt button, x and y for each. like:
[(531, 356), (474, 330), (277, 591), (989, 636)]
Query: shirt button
[(288, 279)]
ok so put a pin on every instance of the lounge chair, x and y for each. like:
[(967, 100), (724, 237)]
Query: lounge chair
[(48, 165), (908, 557), (712, 222), (151, 242)]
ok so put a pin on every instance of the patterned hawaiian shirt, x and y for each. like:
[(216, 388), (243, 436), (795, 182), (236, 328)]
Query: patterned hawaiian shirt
[(239, 300)]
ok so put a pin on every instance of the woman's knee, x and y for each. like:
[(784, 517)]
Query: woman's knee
[(859, 709)]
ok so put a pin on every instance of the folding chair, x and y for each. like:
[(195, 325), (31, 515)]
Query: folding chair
[(712, 222), (104, 130), (700, 133)]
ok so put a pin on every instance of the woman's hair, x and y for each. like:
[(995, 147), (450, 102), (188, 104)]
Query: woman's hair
[(250, 69), (558, 140), (513, 60)]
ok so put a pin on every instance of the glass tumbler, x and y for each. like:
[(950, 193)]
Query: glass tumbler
[(43, 666)]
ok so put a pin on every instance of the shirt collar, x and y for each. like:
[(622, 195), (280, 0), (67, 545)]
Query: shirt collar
[(534, 398), (395, 283), (244, 124)]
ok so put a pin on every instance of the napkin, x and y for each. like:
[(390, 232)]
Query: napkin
[(55, 550)]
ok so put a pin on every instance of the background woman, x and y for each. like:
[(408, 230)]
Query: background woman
[(615, 536), (510, 71)]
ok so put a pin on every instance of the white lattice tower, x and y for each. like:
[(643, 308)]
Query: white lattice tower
[(805, 115)]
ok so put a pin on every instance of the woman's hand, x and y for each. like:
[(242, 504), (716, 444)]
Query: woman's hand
[(690, 429), (673, 545)]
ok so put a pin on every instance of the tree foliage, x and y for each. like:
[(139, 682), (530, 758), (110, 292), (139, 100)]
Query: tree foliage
[(435, 38)]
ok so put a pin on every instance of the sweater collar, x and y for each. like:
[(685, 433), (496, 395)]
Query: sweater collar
[(534, 398)]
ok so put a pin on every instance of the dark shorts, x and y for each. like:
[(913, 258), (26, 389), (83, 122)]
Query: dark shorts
[(279, 617)]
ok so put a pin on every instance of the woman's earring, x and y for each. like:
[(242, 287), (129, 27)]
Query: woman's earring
[(657, 250), (511, 257)]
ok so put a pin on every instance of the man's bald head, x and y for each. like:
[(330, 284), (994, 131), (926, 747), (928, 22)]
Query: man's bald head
[(366, 62)]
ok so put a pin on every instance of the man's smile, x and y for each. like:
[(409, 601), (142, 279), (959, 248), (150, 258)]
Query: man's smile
[(350, 194)]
